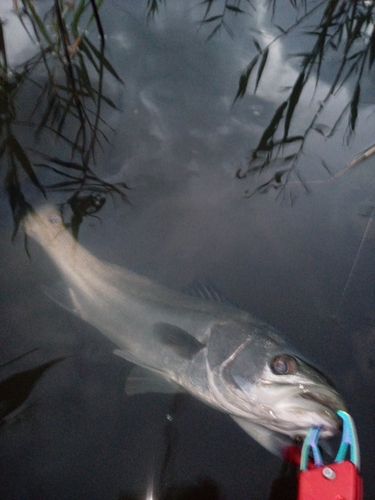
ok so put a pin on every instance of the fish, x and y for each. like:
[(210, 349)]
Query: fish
[(216, 352)]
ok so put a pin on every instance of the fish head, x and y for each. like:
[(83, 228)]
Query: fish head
[(258, 377)]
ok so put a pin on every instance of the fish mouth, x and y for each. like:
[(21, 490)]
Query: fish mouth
[(322, 399), (325, 406)]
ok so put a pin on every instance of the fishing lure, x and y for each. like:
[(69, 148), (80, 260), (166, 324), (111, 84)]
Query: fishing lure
[(340, 480)]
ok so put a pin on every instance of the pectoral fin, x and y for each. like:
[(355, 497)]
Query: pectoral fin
[(184, 344), (143, 378), (273, 441), (64, 296), (141, 381)]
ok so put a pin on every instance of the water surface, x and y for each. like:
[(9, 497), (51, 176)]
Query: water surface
[(177, 142)]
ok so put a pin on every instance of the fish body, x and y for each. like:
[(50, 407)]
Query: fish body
[(218, 353)]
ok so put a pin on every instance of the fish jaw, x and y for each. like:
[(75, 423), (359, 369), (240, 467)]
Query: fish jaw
[(294, 410), (290, 418)]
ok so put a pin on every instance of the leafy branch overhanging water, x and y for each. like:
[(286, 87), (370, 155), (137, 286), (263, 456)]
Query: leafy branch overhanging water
[(337, 29), (346, 28), (67, 70)]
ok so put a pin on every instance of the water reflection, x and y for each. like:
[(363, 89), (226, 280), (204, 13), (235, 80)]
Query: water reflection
[(179, 143), (342, 39), (203, 489), (65, 78)]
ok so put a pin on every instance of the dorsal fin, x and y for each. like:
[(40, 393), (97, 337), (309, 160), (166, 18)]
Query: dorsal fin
[(208, 290)]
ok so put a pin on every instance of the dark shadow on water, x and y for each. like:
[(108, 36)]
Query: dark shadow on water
[(16, 389)]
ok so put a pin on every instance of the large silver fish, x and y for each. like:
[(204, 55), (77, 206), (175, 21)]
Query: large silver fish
[(221, 355)]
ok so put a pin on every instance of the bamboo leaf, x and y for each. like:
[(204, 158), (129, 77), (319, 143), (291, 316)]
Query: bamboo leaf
[(109, 102), (77, 16), (322, 129), (257, 46), (371, 42), (293, 101), (272, 127), (354, 106), (45, 117), (261, 68), (35, 17), (244, 79), (235, 9), (65, 184), (289, 140), (59, 172), (214, 31), (88, 54), (84, 79), (63, 163), (2, 47), (213, 18), (326, 167), (103, 60), (338, 121), (24, 161), (95, 15), (227, 29)]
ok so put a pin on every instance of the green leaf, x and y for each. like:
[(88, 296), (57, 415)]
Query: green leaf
[(103, 60), (35, 17), (77, 16), (88, 54)]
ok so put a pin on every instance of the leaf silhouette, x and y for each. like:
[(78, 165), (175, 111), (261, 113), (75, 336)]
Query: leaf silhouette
[(235, 9), (354, 106), (15, 389), (104, 61), (213, 18), (24, 161), (293, 101), (272, 127), (244, 79), (77, 16), (261, 68), (371, 42)]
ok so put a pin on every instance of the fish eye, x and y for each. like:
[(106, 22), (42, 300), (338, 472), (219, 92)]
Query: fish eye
[(284, 365)]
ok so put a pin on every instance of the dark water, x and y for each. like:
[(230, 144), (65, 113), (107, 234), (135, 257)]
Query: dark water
[(178, 142)]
